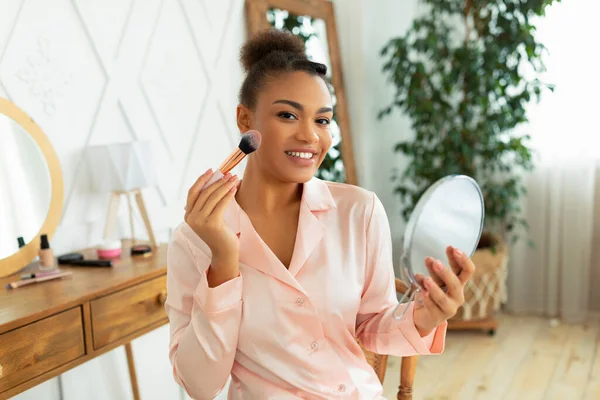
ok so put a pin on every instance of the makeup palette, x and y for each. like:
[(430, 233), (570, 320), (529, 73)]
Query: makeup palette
[(141, 250)]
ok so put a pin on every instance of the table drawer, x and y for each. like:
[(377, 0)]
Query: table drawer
[(122, 313), (39, 347)]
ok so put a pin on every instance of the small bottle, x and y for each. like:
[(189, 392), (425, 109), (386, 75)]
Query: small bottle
[(46, 254)]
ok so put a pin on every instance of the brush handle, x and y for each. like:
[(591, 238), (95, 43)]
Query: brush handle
[(23, 282)]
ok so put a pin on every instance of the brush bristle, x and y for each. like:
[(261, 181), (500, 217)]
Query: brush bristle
[(250, 142)]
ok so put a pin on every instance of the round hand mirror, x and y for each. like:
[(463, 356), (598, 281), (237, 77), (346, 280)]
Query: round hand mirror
[(450, 213)]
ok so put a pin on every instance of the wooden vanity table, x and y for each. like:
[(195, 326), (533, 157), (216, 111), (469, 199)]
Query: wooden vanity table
[(50, 327)]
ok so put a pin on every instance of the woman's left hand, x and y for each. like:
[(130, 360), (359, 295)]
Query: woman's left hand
[(435, 305)]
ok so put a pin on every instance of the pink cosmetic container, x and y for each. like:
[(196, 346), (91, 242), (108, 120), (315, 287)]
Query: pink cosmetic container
[(109, 250)]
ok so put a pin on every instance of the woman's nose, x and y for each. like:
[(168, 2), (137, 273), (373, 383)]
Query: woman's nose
[(307, 134)]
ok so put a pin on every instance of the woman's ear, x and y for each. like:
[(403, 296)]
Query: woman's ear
[(244, 118)]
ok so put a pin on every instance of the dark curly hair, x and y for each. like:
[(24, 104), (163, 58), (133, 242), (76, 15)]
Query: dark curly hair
[(268, 54)]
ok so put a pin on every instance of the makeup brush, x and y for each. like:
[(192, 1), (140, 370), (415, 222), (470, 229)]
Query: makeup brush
[(249, 143)]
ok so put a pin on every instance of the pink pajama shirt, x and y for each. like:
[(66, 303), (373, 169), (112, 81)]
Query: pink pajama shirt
[(291, 333)]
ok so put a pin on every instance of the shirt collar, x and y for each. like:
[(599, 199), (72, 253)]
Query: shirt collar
[(317, 196)]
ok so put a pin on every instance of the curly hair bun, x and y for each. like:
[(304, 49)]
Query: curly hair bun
[(266, 42)]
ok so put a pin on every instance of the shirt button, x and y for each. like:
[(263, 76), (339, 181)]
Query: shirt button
[(300, 301), (342, 388), (314, 346)]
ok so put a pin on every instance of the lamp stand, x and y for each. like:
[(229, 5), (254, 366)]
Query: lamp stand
[(113, 211)]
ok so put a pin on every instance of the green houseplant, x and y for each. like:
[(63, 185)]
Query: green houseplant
[(464, 73)]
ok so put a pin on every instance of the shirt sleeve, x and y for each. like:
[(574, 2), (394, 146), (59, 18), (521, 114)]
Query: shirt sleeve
[(376, 327), (204, 322)]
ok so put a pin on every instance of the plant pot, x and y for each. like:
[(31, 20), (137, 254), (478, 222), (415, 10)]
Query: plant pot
[(486, 291)]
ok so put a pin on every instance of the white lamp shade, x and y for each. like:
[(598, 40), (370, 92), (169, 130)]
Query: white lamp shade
[(121, 166)]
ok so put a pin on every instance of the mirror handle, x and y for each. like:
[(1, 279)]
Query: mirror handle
[(405, 305)]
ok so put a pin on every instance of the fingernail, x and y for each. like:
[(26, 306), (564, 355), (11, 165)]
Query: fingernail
[(438, 266), (208, 171), (226, 176), (428, 281), (457, 253), (233, 178)]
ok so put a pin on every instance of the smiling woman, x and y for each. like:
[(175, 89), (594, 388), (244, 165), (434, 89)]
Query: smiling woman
[(278, 279)]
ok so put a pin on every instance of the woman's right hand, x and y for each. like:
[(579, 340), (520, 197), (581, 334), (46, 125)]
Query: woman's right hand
[(204, 214)]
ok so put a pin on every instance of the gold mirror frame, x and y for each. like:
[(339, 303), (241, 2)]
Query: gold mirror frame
[(256, 16), (27, 253)]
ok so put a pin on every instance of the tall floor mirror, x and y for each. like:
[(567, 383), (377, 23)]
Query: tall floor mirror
[(314, 22)]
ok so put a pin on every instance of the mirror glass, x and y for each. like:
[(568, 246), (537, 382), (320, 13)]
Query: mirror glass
[(313, 33), (25, 187), (450, 213)]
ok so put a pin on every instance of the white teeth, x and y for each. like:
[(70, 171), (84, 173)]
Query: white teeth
[(306, 156)]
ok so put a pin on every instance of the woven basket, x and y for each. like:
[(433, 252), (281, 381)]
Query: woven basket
[(486, 291)]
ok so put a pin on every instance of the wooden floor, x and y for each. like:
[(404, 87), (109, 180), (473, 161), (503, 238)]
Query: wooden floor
[(527, 359)]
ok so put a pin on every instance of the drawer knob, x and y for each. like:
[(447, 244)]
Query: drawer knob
[(161, 298)]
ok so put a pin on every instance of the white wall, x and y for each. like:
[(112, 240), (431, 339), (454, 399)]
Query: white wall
[(99, 71)]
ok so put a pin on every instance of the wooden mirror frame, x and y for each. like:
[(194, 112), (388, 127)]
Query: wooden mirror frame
[(256, 16), (27, 253)]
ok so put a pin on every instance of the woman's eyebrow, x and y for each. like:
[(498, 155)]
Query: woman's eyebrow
[(294, 104), (300, 107)]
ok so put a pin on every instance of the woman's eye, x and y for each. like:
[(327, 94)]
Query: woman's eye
[(287, 115), (323, 121)]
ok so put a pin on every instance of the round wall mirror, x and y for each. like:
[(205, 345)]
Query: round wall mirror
[(31, 188), (450, 213)]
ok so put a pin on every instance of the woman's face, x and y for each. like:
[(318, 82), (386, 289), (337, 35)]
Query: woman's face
[(293, 113)]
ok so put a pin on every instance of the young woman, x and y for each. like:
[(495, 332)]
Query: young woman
[(271, 279)]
